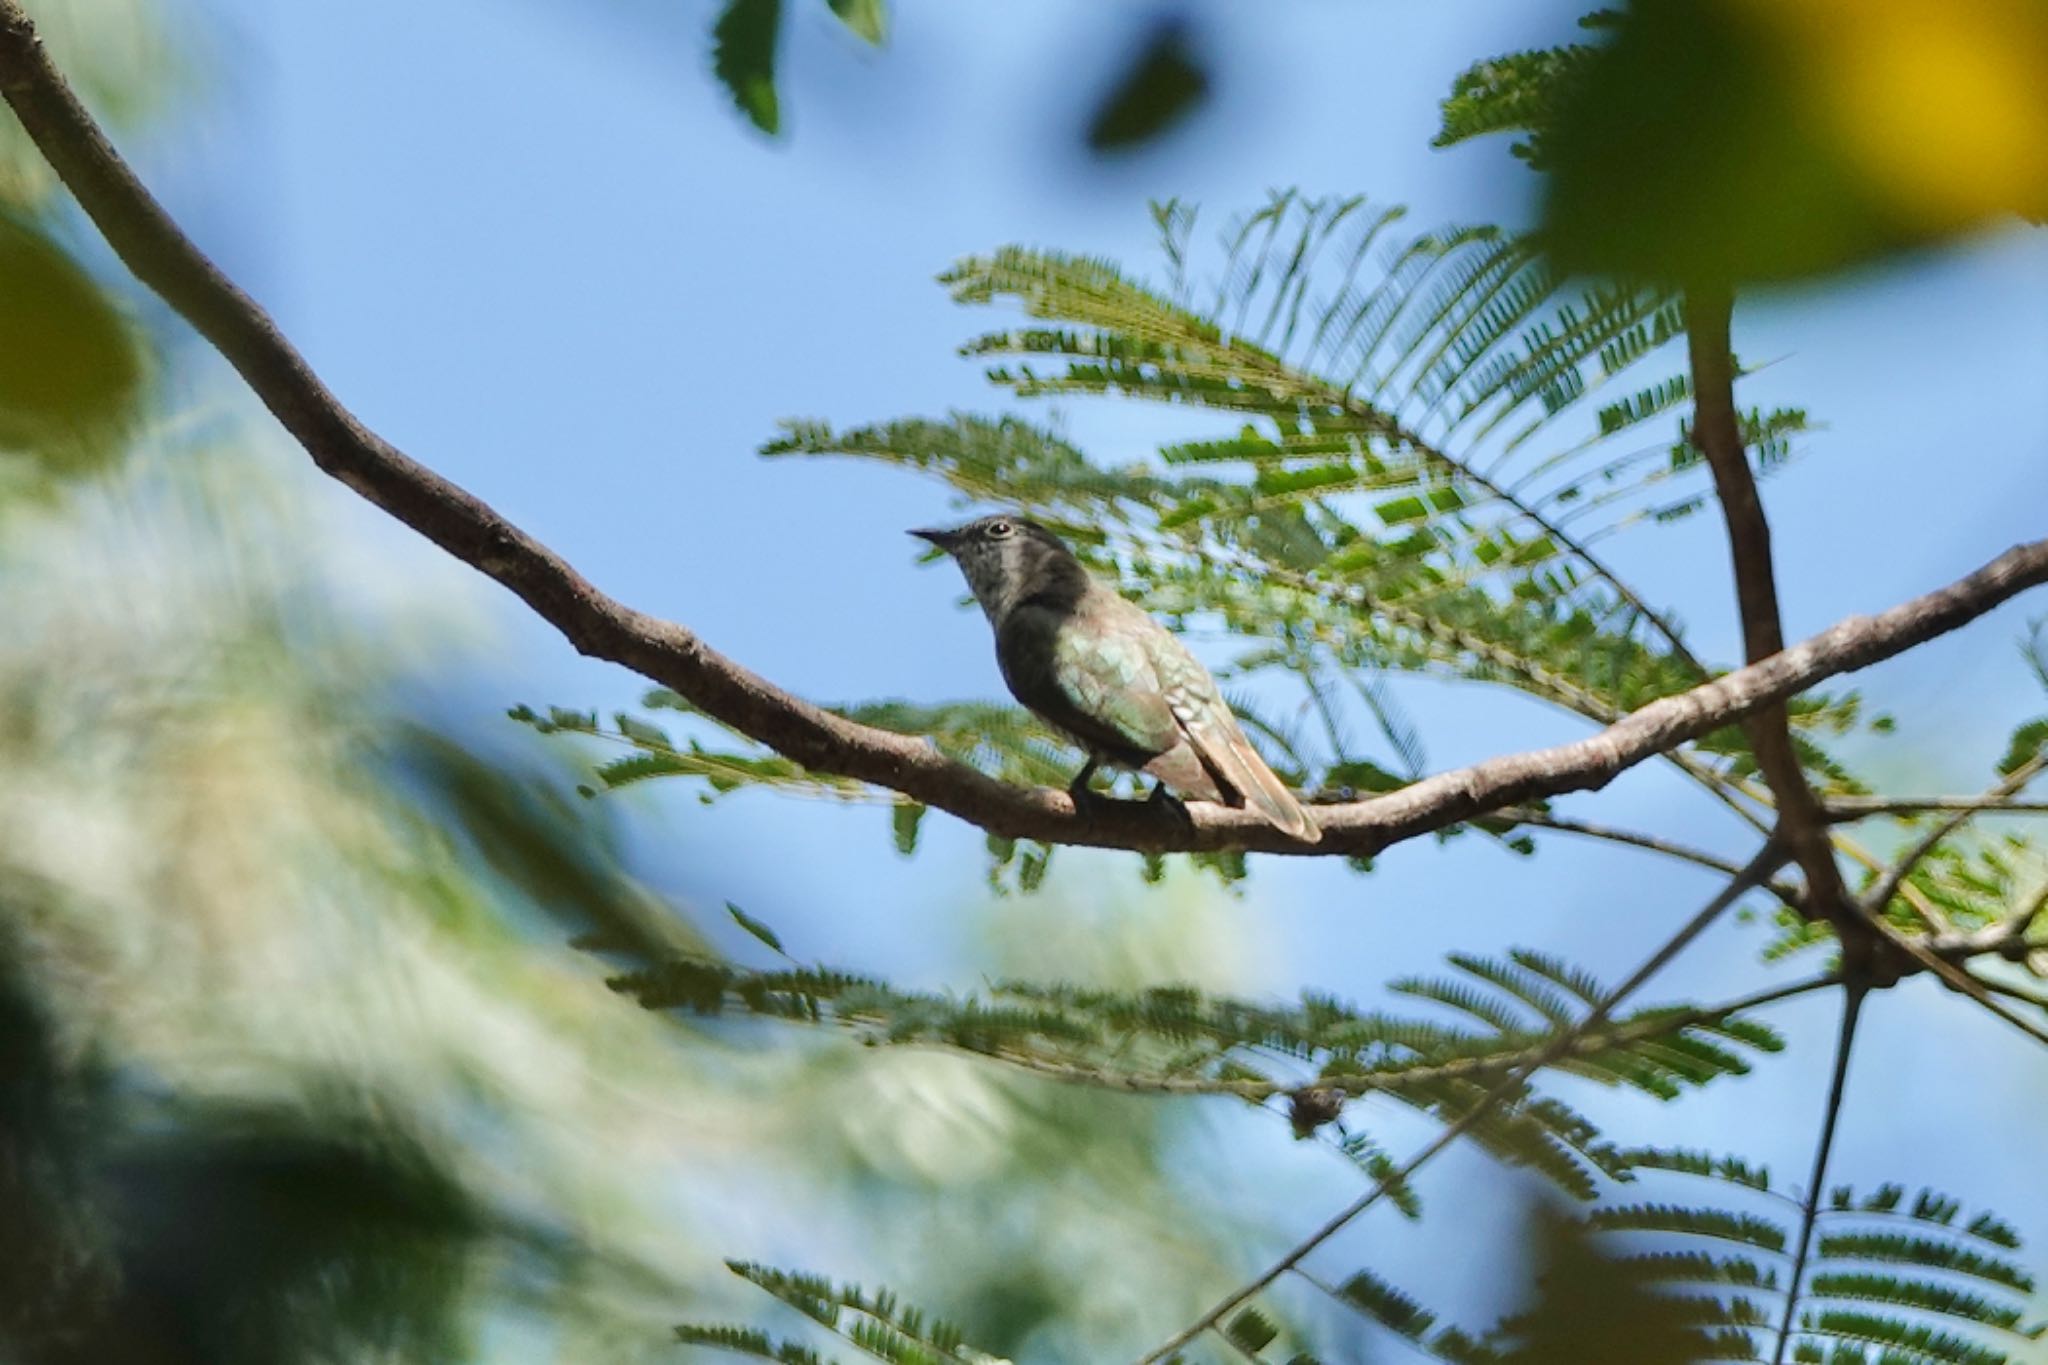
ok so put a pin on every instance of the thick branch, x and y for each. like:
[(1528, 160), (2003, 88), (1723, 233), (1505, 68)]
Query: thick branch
[(163, 258), (1717, 432)]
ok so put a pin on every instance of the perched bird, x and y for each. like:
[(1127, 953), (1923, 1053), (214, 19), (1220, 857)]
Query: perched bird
[(1101, 670)]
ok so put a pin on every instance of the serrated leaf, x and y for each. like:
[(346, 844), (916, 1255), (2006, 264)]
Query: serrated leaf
[(2027, 744), (1252, 1330)]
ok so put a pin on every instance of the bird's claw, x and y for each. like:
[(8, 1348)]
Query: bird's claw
[(1166, 800)]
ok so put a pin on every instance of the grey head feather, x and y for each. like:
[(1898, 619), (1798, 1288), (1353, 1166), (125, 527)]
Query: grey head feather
[(1010, 560)]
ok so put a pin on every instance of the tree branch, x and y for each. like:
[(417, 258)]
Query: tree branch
[(1717, 432), (163, 258)]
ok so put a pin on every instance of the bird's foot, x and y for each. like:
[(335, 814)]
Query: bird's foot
[(1166, 800), (1085, 799)]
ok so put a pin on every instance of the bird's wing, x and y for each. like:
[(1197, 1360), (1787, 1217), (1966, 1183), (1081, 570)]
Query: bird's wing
[(1198, 706), (1097, 685)]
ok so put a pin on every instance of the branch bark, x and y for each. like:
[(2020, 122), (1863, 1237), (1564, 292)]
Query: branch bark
[(163, 258), (1717, 432)]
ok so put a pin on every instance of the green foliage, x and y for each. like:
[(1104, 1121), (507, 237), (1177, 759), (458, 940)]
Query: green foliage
[(1643, 1284), (1422, 439), (748, 1341), (878, 1324), (1516, 93), (1251, 1331), (1003, 741), (1180, 1040), (1412, 481), (1708, 1283)]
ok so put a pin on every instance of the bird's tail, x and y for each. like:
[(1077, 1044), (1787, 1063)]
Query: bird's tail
[(1239, 764)]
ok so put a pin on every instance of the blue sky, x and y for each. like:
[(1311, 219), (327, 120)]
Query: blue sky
[(532, 245)]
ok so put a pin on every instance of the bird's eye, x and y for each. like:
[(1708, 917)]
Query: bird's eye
[(999, 529)]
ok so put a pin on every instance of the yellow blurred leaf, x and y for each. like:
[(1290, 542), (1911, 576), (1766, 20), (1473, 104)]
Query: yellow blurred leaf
[(1737, 140), (1941, 104)]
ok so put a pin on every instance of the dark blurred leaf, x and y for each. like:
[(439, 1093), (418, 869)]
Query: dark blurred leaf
[(313, 1233), (1591, 1310), (743, 57), (1252, 1330), (1161, 87), (70, 370), (173, 1230), (1725, 142), (52, 1266), (755, 927), (868, 18), (552, 852)]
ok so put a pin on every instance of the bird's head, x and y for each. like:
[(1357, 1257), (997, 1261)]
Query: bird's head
[(1007, 559)]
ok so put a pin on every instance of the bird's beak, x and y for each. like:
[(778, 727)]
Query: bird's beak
[(943, 539)]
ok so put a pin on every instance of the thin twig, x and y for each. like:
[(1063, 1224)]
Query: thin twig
[(1615, 835), (1767, 860), (1844, 808), (1852, 1008), (164, 259)]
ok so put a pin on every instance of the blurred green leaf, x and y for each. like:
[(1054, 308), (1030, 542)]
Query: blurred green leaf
[(71, 373), (1160, 88), (868, 18), (115, 54), (1594, 1310), (2027, 744), (904, 820), (743, 58)]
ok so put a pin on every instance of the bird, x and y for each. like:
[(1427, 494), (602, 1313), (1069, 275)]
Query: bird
[(1100, 670)]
